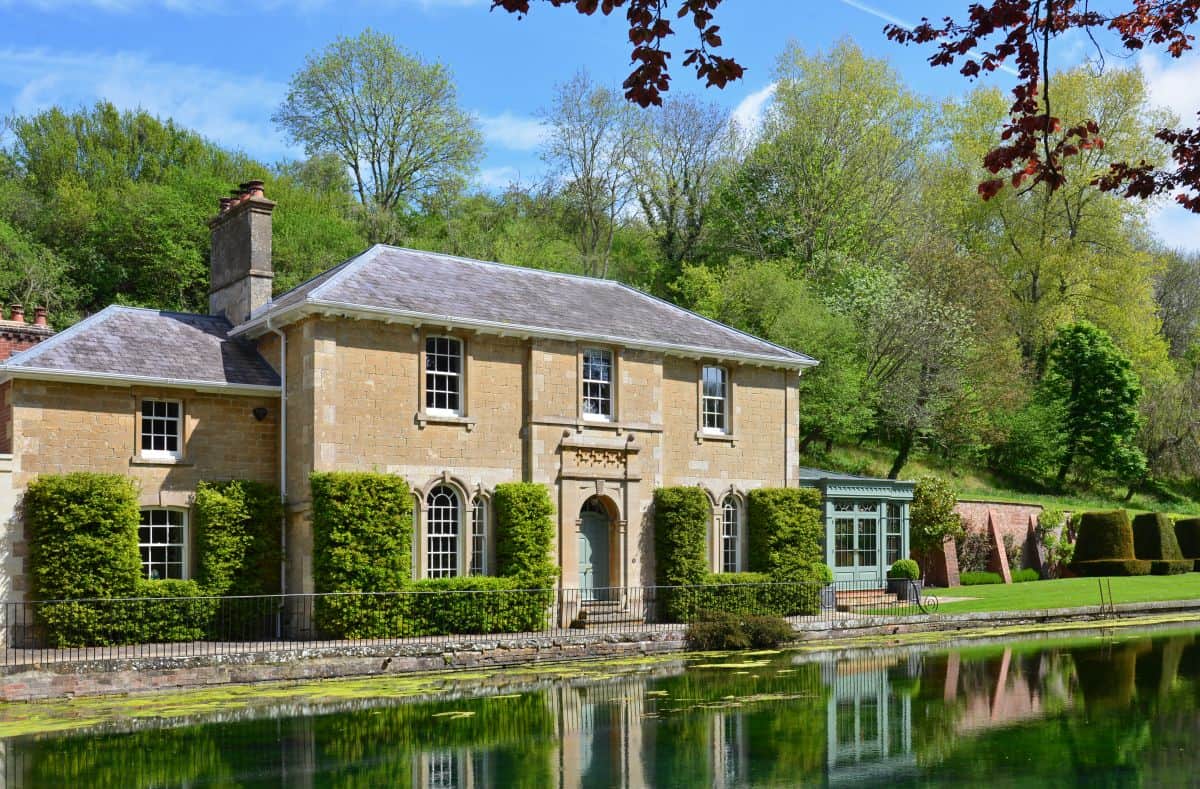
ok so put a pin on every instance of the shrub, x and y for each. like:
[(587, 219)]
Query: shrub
[(1187, 534), (1104, 535), (1013, 551), (1054, 535), (931, 516), (1154, 538), (745, 594), (786, 531), (822, 573), (976, 578), (362, 542), (974, 551), (1102, 567), (161, 611), (725, 630), (474, 605), (1171, 566), (1026, 575), (237, 538), (905, 569), (525, 533), (681, 519), (82, 531)]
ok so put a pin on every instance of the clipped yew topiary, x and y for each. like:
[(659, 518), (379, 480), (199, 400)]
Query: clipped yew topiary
[(237, 538), (525, 533), (785, 528), (1154, 539), (681, 518), (1187, 534), (1104, 546)]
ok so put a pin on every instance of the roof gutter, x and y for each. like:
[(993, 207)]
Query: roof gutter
[(83, 377), (509, 329)]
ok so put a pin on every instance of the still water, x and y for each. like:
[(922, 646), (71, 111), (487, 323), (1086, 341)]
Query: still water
[(1112, 710)]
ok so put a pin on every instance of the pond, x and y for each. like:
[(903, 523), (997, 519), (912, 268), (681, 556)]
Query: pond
[(1109, 709)]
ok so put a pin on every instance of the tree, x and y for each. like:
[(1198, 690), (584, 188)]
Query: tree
[(1036, 142), (676, 164), (932, 517), (649, 26), (1177, 293), (1094, 384), (589, 148), (392, 118)]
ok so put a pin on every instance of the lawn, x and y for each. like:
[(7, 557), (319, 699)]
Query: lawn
[(1069, 592)]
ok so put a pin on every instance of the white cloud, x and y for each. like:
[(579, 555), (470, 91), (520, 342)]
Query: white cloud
[(230, 109), (514, 132), (1174, 83), (498, 177), (748, 114), (1176, 227)]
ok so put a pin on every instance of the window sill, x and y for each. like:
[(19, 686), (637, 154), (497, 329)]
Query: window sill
[(702, 436), (424, 418), (138, 460)]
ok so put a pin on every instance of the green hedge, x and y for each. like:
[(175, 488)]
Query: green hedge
[(1171, 566), (979, 578), (82, 531), (681, 520), (1187, 534), (444, 606), (237, 545), (786, 528), (160, 612), (1103, 567), (1026, 575), (525, 533), (742, 593), (1104, 535), (1154, 538)]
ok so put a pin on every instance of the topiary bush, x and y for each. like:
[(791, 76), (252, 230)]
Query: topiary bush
[(681, 519), (979, 578), (362, 542), (1187, 534), (1154, 539), (904, 569), (1104, 535), (237, 543), (525, 533), (785, 530)]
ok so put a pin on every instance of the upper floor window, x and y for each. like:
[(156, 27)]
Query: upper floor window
[(714, 400), (162, 540), (443, 521), (162, 429), (443, 375), (730, 533), (597, 384)]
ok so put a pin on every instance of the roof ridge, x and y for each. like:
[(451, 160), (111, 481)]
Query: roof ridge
[(34, 350), (715, 322), (508, 266), (353, 264)]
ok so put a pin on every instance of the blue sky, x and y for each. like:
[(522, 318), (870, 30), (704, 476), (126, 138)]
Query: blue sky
[(221, 66)]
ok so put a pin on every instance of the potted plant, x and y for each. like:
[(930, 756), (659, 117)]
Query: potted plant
[(828, 594), (904, 580)]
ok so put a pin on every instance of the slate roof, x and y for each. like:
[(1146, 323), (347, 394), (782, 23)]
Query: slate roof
[(434, 286), (130, 342)]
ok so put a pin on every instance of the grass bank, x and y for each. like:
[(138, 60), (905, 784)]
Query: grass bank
[(1070, 593)]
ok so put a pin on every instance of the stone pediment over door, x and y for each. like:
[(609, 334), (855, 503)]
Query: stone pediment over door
[(599, 458)]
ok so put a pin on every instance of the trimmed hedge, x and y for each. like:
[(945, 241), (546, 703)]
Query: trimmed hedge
[(979, 578), (237, 538), (681, 518), (161, 612), (786, 528), (1187, 534), (447, 606), (1102, 567), (362, 542), (1154, 537), (525, 533), (1104, 535), (904, 569), (82, 531), (1026, 575), (744, 593)]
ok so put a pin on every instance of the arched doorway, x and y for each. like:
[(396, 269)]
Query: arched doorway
[(595, 549)]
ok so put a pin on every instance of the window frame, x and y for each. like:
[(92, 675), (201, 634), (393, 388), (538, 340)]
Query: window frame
[(611, 383), (160, 455), (456, 569), (184, 553), (726, 428), (479, 537), (460, 376), (730, 504)]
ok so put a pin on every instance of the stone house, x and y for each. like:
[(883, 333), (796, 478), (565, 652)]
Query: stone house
[(455, 374)]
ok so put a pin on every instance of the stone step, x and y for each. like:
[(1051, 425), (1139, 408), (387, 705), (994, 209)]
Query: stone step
[(865, 599)]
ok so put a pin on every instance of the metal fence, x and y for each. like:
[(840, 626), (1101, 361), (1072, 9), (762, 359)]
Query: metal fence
[(40, 632)]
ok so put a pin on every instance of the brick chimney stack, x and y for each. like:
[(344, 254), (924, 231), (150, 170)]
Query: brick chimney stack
[(240, 269), (16, 335)]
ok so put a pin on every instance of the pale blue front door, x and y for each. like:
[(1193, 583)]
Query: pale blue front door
[(857, 542), (593, 554)]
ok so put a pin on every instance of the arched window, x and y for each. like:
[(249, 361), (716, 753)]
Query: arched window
[(479, 537), (730, 544), (442, 530)]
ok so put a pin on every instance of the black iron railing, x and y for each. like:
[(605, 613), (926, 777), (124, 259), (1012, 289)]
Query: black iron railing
[(40, 632)]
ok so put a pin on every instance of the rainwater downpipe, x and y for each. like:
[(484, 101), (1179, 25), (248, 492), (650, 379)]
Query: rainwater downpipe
[(283, 399)]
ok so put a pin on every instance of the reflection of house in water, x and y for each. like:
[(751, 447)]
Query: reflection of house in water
[(601, 733), (869, 724)]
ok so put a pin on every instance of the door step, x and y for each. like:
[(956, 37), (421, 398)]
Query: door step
[(606, 613), (866, 599)]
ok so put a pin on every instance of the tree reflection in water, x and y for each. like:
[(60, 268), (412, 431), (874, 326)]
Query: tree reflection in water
[(1112, 712)]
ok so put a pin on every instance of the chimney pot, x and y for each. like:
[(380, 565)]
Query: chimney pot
[(39, 316), (18, 313)]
